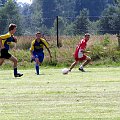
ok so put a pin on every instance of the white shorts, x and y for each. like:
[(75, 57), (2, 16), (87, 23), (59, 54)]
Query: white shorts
[(80, 54)]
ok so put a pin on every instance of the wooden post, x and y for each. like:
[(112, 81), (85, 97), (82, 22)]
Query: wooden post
[(118, 35), (59, 42), (57, 33)]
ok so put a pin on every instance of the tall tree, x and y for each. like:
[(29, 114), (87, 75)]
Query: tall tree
[(1, 3), (109, 21), (36, 15), (26, 21), (3, 21), (10, 14), (49, 12), (60, 26), (66, 8), (117, 1), (81, 23), (11, 10), (4, 1), (95, 7)]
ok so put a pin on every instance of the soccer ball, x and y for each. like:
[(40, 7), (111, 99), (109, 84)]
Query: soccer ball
[(65, 71)]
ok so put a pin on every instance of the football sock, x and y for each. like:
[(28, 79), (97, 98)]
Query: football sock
[(37, 68), (81, 67), (15, 71)]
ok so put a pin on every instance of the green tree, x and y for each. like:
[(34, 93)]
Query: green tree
[(10, 14), (81, 23), (3, 21), (61, 26), (36, 15), (95, 7), (109, 21), (69, 29), (26, 20), (66, 8), (3, 1), (117, 1), (49, 12)]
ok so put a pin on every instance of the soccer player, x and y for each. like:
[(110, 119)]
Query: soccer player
[(36, 50), (5, 41), (79, 54)]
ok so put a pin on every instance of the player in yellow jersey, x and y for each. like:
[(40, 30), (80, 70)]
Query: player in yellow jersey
[(5, 41), (36, 50)]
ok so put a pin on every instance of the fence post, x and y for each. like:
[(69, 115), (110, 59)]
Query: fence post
[(57, 33), (118, 35), (59, 43)]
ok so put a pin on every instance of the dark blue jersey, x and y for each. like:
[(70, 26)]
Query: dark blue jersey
[(38, 46), (6, 40)]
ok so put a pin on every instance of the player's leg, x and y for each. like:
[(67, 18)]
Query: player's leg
[(37, 64), (39, 60), (3, 56), (14, 60), (1, 61), (87, 60), (32, 57), (73, 65)]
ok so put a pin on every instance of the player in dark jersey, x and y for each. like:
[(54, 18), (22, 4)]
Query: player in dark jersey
[(5, 41), (36, 50)]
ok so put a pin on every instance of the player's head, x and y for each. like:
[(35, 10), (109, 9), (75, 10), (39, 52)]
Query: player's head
[(38, 35), (12, 28), (87, 36)]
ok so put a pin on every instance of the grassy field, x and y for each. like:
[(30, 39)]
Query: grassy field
[(93, 95)]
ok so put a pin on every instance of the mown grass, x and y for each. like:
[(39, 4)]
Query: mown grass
[(93, 95)]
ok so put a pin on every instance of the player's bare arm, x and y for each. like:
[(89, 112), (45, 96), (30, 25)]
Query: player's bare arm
[(15, 43), (49, 52), (1, 45), (31, 53), (85, 51), (15, 39)]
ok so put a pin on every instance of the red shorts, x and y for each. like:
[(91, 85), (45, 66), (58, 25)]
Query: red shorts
[(80, 59)]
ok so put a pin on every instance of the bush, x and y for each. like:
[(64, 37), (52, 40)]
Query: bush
[(104, 51)]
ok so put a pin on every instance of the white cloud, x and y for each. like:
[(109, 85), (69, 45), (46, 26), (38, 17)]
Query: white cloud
[(25, 1)]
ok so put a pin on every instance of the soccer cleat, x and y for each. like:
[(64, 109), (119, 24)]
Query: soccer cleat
[(31, 60), (81, 69), (18, 75)]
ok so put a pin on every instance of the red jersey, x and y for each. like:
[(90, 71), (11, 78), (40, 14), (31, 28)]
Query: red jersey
[(82, 44), (80, 47)]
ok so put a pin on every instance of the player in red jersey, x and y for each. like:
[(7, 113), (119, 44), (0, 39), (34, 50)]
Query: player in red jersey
[(79, 54)]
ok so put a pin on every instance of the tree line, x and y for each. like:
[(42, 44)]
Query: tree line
[(75, 16)]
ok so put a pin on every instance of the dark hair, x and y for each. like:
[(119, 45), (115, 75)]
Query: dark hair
[(38, 33), (12, 26), (87, 34)]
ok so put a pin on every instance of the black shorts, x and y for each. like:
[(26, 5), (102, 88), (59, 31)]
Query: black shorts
[(5, 54)]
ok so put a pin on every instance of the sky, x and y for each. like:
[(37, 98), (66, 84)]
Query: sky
[(25, 1)]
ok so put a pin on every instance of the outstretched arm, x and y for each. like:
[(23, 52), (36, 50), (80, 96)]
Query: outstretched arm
[(1, 45), (32, 48), (84, 51), (49, 52), (15, 40), (47, 47)]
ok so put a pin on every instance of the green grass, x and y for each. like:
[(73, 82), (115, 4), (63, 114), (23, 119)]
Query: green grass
[(93, 95)]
